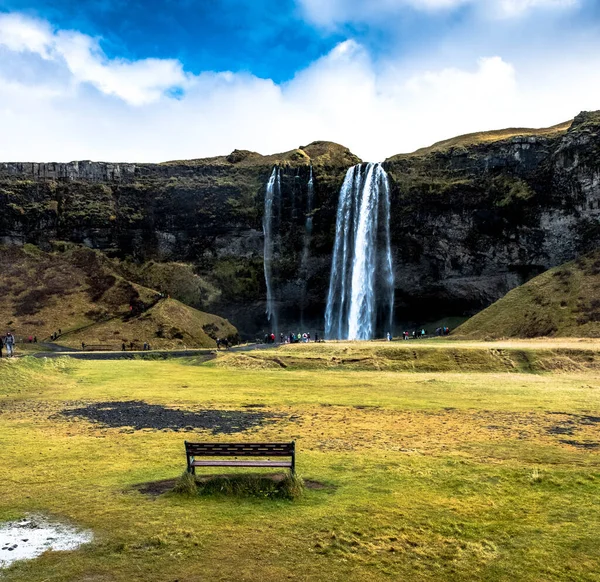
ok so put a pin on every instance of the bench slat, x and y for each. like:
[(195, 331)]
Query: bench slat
[(241, 464), (240, 449)]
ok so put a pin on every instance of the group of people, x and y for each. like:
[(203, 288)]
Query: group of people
[(291, 338), (223, 343), (422, 333), (8, 342), (416, 334)]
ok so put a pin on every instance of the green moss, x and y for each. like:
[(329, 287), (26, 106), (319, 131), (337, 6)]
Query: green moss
[(239, 278), (510, 190)]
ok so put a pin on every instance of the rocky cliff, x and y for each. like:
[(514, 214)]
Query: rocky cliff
[(479, 215), (471, 218)]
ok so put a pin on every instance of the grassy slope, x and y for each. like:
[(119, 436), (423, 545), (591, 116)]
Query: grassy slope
[(80, 290), (564, 301), (423, 356), (482, 137), (178, 325), (318, 152), (435, 476)]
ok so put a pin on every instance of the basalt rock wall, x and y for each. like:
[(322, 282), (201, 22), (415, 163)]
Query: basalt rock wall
[(204, 212), (469, 221), (472, 222)]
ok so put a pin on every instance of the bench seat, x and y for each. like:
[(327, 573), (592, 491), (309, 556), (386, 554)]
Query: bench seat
[(236, 450), (285, 464)]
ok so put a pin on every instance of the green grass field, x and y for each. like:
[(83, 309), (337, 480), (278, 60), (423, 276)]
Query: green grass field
[(470, 472)]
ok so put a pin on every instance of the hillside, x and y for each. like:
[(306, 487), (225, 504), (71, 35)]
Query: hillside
[(486, 137), (471, 218), (79, 291), (564, 301)]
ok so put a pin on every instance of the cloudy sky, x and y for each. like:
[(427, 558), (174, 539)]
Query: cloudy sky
[(154, 80)]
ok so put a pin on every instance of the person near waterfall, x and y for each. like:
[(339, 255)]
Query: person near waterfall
[(9, 342)]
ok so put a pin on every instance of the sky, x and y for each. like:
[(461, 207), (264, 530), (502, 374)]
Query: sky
[(157, 80)]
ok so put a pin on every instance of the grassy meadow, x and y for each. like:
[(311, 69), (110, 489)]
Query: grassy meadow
[(484, 466)]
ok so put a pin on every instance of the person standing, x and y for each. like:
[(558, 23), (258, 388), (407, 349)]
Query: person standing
[(10, 345)]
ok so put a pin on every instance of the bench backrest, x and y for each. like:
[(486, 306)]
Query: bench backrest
[(240, 449)]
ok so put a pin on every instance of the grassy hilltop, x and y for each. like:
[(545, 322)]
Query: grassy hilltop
[(564, 301), (81, 292)]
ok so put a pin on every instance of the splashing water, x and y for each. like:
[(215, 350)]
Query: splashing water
[(362, 279), (273, 190)]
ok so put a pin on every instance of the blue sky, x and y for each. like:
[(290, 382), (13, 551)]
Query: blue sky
[(165, 79), (268, 38)]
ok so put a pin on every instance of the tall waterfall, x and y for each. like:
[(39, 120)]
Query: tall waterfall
[(361, 288), (273, 191), (308, 226)]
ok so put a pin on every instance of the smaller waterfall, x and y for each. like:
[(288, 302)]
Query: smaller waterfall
[(362, 279), (308, 227), (273, 191)]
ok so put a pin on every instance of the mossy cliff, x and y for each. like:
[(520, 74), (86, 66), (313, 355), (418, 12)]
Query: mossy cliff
[(472, 218), (478, 215), (205, 213)]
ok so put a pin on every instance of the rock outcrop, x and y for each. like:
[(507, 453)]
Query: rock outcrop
[(471, 218)]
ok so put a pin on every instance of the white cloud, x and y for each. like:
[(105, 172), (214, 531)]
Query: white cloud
[(62, 99), (329, 13), (138, 83)]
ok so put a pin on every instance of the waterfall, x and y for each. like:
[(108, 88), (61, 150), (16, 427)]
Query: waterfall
[(273, 191), (308, 226), (362, 279)]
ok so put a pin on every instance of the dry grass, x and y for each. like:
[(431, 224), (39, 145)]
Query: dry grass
[(483, 137), (430, 476), (437, 355), (168, 325), (79, 292), (562, 302)]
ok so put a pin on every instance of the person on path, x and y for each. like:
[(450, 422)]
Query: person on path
[(1, 345), (389, 336), (9, 342)]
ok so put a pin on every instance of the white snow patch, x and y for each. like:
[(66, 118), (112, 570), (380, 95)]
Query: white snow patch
[(31, 537)]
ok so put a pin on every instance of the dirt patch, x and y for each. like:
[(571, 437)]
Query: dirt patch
[(156, 488), (580, 444), (140, 415)]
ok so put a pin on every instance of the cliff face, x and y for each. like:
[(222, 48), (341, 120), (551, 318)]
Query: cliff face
[(205, 212), (471, 218)]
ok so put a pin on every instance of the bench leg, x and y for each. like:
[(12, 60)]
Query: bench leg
[(190, 468)]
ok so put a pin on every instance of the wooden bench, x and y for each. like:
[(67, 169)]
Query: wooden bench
[(235, 450)]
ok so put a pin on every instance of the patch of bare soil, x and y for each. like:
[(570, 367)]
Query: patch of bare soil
[(141, 415)]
